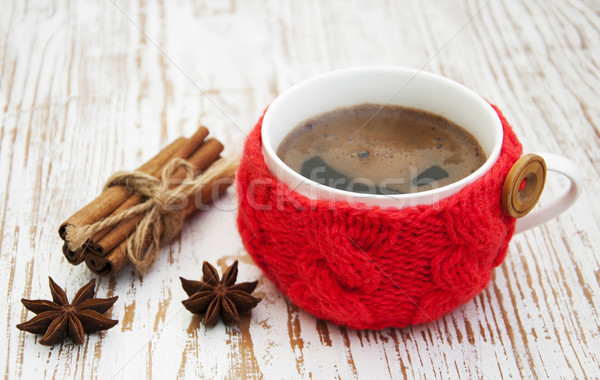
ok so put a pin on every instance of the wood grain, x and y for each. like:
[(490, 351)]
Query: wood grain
[(88, 88)]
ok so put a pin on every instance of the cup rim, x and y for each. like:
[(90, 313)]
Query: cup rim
[(279, 169)]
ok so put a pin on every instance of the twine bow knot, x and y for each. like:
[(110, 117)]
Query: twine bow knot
[(165, 200)]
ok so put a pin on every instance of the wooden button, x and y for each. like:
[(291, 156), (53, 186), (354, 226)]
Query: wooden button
[(523, 185)]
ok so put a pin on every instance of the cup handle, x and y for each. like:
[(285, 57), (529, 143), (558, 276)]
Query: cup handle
[(525, 182)]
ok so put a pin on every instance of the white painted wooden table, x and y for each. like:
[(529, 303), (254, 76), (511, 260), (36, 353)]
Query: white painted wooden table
[(91, 87)]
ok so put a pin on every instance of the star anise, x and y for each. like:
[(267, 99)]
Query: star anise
[(214, 297), (57, 318)]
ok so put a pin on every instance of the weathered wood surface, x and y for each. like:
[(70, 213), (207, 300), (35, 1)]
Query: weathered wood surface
[(90, 87)]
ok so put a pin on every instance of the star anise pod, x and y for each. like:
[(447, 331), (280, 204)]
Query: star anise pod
[(214, 297), (57, 318)]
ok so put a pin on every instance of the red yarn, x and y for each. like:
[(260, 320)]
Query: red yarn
[(371, 268)]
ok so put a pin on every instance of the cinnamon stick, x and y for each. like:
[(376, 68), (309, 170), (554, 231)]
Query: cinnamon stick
[(207, 153), (111, 198), (107, 239), (111, 263)]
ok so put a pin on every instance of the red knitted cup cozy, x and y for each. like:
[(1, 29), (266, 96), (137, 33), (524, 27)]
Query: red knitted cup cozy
[(371, 268)]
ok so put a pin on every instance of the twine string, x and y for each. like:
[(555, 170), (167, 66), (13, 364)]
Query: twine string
[(162, 209)]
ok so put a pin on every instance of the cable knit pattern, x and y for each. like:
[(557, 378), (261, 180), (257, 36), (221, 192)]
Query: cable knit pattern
[(371, 268)]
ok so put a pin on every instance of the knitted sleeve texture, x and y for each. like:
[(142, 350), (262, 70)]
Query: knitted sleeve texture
[(371, 268)]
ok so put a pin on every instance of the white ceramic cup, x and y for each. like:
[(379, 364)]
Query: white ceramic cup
[(403, 87)]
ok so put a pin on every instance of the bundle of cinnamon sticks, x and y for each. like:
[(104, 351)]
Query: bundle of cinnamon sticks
[(105, 253)]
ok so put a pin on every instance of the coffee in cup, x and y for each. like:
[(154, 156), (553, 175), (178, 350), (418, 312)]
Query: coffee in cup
[(381, 149)]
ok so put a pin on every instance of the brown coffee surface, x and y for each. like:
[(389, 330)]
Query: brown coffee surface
[(388, 149)]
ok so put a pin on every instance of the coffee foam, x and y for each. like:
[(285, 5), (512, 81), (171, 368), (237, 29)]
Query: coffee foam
[(387, 145)]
